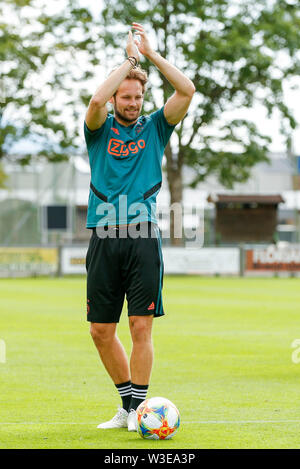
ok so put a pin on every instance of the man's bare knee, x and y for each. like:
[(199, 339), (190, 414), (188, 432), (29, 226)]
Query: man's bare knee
[(102, 333), (140, 328)]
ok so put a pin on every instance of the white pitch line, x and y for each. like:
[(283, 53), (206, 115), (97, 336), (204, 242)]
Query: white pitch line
[(223, 422), (49, 423), (207, 422)]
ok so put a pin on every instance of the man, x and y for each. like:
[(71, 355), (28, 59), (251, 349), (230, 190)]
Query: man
[(124, 255)]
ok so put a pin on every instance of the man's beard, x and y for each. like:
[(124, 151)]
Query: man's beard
[(123, 117)]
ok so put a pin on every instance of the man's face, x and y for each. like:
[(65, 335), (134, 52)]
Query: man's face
[(128, 101)]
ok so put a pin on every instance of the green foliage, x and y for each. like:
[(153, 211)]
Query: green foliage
[(41, 53)]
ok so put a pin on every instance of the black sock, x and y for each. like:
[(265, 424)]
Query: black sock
[(125, 394), (139, 393)]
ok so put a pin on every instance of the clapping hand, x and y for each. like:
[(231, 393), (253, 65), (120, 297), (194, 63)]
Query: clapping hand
[(143, 45), (131, 48)]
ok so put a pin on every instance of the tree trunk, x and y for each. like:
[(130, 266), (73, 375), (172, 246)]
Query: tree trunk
[(174, 176)]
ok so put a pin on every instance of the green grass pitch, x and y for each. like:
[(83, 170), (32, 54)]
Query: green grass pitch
[(223, 355)]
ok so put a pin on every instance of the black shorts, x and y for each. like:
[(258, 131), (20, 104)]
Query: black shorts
[(118, 265)]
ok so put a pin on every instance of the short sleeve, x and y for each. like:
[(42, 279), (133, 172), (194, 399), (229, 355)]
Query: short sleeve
[(91, 136), (164, 129)]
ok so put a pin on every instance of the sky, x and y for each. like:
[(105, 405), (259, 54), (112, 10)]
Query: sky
[(271, 126)]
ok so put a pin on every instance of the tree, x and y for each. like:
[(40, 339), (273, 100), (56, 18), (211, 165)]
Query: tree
[(43, 87), (238, 54)]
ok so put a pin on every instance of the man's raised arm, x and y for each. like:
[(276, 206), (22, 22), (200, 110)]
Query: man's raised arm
[(177, 105), (97, 111)]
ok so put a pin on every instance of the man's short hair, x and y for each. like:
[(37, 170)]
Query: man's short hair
[(136, 73)]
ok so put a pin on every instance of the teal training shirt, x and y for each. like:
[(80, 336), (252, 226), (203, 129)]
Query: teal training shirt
[(126, 172)]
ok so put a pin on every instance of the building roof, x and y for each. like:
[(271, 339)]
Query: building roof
[(272, 199)]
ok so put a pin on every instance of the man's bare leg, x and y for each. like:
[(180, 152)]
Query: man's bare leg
[(114, 358), (111, 351), (140, 363), (142, 349)]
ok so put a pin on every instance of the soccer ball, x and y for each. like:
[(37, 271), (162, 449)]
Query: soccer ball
[(157, 418)]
